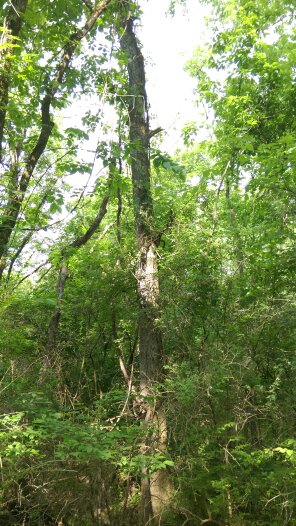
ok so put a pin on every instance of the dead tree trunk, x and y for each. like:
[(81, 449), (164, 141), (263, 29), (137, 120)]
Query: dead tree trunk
[(154, 487)]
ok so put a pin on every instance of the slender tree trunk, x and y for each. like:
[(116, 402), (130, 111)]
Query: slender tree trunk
[(55, 319), (154, 487), (237, 239), (12, 25), (11, 28)]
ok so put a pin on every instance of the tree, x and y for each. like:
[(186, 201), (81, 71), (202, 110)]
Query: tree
[(23, 161), (155, 489)]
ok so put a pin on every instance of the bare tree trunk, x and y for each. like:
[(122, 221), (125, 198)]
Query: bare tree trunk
[(155, 488)]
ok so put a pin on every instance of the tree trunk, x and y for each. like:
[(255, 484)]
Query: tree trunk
[(11, 28), (155, 488)]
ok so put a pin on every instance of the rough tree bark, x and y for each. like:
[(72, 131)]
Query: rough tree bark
[(18, 191), (156, 487)]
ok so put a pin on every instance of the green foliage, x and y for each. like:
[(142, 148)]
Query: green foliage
[(71, 431)]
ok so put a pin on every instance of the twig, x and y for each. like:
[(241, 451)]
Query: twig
[(31, 273)]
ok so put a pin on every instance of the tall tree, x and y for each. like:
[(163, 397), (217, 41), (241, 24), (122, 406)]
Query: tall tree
[(155, 488)]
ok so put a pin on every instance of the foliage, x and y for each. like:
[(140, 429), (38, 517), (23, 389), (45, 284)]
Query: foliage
[(72, 428)]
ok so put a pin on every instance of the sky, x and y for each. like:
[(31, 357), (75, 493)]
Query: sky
[(168, 42)]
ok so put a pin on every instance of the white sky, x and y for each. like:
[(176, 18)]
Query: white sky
[(168, 42)]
